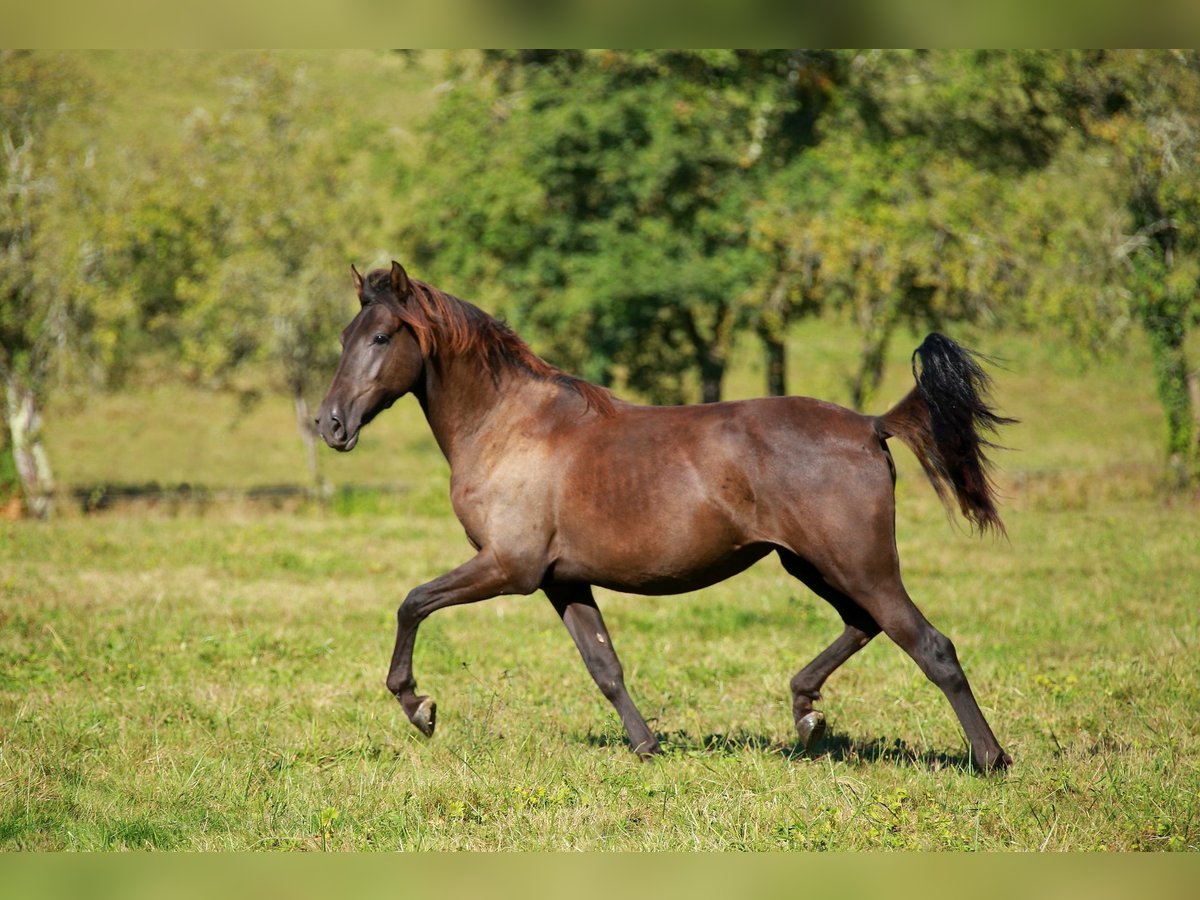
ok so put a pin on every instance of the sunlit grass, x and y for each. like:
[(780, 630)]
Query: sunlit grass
[(217, 683), (212, 677)]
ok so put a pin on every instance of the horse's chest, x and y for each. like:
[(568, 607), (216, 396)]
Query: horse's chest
[(486, 501)]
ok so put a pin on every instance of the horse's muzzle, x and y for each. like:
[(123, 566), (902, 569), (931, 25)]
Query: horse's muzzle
[(331, 427)]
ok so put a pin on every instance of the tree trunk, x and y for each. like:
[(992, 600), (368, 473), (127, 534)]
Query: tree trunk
[(711, 354), (1193, 383), (712, 372), (308, 434), (866, 380), (776, 359), (25, 433), (1167, 331), (877, 321), (772, 326)]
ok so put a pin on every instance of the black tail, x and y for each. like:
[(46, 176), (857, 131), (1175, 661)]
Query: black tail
[(941, 421)]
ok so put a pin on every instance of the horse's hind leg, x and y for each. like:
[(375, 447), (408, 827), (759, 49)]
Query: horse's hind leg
[(935, 654), (885, 605), (807, 683), (577, 608)]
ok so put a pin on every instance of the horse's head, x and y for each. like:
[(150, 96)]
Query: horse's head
[(381, 358)]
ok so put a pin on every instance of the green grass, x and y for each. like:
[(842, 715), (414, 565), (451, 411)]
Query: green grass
[(216, 683), (212, 677)]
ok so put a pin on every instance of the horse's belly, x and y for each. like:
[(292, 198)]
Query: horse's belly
[(651, 569)]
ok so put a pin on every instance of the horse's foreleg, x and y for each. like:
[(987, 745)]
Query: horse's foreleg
[(577, 608), (479, 579)]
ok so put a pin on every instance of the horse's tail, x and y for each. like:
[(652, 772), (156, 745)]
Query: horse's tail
[(941, 421)]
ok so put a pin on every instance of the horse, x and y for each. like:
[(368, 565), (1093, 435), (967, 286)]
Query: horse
[(561, 486)]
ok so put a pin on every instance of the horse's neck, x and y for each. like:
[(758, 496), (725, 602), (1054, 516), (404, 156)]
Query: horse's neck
[(459, 399)]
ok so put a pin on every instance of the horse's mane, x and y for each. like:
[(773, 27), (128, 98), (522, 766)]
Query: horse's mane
[(444, 323)]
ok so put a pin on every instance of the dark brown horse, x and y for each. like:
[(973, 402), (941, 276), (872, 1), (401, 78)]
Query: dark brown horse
[(561, 486)]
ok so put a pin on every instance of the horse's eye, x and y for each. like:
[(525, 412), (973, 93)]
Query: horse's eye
[(380, 338)]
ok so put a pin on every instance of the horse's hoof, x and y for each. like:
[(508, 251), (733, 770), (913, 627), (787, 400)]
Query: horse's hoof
[(811, 728), (647, 750), (996, 765), (425, 716)]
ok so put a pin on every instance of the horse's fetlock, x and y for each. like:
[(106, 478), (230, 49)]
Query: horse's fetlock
[(399, 686), (799, 689)]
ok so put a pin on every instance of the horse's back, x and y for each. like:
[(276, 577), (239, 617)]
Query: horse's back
[(762, 439)]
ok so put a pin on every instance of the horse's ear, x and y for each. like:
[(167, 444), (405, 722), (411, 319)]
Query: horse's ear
[(358, 280), (400, 283)]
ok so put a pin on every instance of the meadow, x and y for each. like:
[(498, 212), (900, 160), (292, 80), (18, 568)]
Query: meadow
[(209, 676)]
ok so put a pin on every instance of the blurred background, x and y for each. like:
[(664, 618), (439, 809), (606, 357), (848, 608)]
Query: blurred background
[(680, 225)]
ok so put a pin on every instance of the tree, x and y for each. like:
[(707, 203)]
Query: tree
[(901, 211), (1077, 204), (601, 197), (37, 94), (1145, 107), (791, 287), (242, 265), (1108, 233)]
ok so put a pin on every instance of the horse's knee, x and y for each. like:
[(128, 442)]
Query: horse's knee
[(408, 615)]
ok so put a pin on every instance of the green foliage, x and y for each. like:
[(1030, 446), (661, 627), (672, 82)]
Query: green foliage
[(902, 212), (603, 196), (10, 484), (1159, 143), (39, 310), (231, 250), (271, 191), (634, 213), (1004, 110), (1054, 189), (37, 92), (1105, 232)]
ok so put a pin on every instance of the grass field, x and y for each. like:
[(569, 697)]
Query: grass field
[(212, 678)]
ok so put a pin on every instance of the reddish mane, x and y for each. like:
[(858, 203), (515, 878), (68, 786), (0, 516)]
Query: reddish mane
[(444, 323)]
